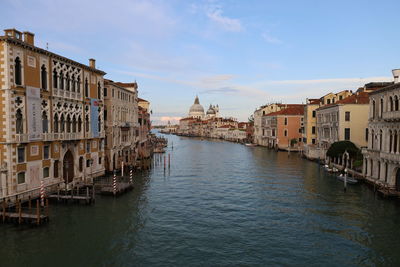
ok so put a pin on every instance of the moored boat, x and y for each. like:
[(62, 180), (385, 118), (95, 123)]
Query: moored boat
[(349, 180)]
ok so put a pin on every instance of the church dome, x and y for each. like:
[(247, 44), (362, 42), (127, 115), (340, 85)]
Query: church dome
[(210, 111), (196, 109)]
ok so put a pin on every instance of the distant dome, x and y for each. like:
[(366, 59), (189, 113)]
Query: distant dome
[(196, 110), (210, 111)]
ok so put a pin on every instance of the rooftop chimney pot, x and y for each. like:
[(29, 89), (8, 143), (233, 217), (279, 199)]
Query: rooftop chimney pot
[(92, 63), (29, 38), (396, 75)]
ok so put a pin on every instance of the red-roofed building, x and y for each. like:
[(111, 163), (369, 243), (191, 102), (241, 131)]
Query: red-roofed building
[(283, 129)]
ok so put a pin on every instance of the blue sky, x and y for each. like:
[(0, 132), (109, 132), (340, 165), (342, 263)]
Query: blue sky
[(238, 54)]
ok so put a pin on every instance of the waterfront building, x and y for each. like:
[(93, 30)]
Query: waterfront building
[(346, 119), (382, 156), (52, 117), (283, 129), (121, 124), (196, 110)]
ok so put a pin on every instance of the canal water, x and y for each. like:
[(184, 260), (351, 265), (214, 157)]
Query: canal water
[(220, 204)]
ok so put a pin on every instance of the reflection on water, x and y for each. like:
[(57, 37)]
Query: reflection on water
[(219, 204)]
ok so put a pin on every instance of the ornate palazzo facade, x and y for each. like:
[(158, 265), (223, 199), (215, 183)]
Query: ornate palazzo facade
[(51, 117)]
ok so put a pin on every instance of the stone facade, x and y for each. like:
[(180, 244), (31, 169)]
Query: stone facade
[(51, 115), (382, 157)]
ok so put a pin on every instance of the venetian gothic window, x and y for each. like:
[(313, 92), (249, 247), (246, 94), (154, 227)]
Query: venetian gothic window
[(79, 124), (99, 123), (87, 123), (78, 84), (98, 90), (391, 103), (86, 88), (68, 124), (380, 139), (61, 80), (43, 74), (18, 71), (73, 83), (396, 103), (19, 125), (67, 82), (74, 124), (55, 79), (373, 109), (381, 108), (55, 123), (45, 122), (62, 124)]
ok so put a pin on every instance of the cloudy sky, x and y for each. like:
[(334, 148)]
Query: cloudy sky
[(238, 54)]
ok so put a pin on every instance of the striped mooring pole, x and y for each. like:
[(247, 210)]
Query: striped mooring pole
[(115, 183), (131, 176), (42, 193)]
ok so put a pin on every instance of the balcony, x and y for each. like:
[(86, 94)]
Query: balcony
[(21, 138), (391, 116), (394, 157), (67, 94)]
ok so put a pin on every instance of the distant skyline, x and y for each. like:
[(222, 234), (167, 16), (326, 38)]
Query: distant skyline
[(238, 54)]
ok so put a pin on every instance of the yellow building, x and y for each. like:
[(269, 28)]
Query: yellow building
[(51, 119)]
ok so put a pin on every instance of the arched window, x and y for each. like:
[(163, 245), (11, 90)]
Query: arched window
[(45, 122), (81, 164), (43, 75), (372, 139), (86, 88), (73, 83), (380, 139), (18, 71), (67, 82), (55, 123), (61, 80), (79, 125), (68, 124), (55, 168), (87, 123), (62, 124), (390, 140), (373, 109), (396, 103), (78, 84), (55, 79), (98, 90), (74, 124), (19, 126), (391, 103), (395, 142), (99, 123), (381, 108)]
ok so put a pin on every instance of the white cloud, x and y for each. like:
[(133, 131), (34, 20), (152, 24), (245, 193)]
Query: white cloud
[(270, 39), (229, 24)]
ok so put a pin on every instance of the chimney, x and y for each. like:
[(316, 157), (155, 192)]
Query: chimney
[(13, 33), (29, 38), (396, 75), (92, 63)]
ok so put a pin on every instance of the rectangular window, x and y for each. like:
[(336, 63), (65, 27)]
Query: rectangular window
[(313, 141), (313, 130), (285, 133), (347, 116), (88, 147), (300, 140), (21, 178), (46, 152), (328, 101), (88, 163), (366, 134), (105, 91), (314, 113), (46, 172), (273, 132), (99, 160), (285, 121), (347, 134), (21, 155)]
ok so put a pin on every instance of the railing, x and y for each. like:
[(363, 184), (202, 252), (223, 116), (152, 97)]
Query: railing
[(21, 138), (391, 115), (390, 156)]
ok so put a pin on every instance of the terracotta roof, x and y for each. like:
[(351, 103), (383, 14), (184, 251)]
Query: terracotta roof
[(313, 101), (297, 110), (142, 100), (387, 88), (357, 98)]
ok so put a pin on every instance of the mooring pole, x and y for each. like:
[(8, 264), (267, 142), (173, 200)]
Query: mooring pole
[(164, 162), (115, 183), (131, 176), (42, 193), (169, 160), (345, 180)]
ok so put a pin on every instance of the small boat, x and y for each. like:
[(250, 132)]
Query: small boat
[(349, 180), (250, 145)]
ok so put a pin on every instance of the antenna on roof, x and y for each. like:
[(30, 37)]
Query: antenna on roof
[(47, 46)]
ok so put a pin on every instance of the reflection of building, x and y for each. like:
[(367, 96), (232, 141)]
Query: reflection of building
[(382, 158), (52, 122), (121, 123)]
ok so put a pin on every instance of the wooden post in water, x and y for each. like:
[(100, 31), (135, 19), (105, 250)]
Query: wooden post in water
[(115, 183), (4, 210), (164, 162), (19, 212), (169, 160), (345, 180), (37, 212), (87, 195), (29, 204), (47, 208)]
